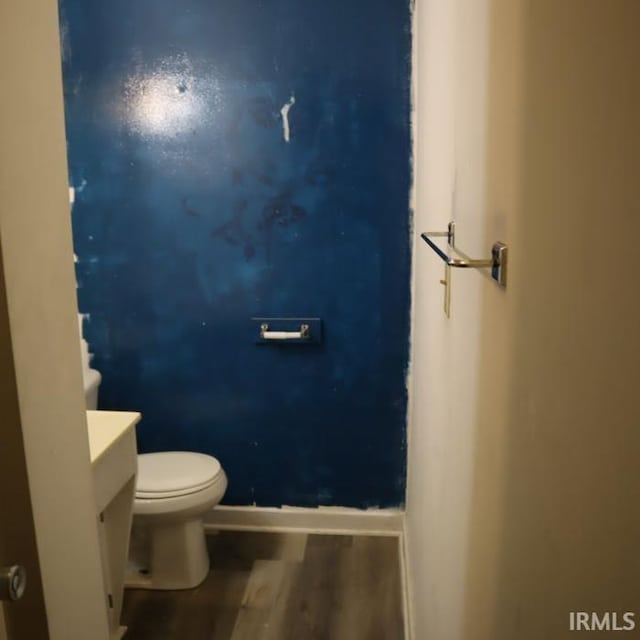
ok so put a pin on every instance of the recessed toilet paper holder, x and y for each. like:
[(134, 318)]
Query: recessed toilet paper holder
[(265, 334), (292, 330)]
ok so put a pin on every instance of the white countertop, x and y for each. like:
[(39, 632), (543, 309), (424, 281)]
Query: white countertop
[(106, 428)]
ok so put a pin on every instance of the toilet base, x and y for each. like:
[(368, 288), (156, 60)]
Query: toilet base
[(173, 555)]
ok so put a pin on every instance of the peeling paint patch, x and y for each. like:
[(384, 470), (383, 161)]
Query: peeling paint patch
[(286, 131), (74, 190)]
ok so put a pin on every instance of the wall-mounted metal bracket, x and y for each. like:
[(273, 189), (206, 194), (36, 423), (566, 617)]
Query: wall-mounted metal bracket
[(497, 263)]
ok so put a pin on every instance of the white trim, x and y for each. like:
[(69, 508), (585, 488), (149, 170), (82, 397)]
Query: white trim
[(407, 589), (379, 522)]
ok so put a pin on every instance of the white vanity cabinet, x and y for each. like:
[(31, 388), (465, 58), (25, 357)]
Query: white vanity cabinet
[(112, 444)]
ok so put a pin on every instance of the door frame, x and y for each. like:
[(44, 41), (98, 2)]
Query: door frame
[(42, 336)]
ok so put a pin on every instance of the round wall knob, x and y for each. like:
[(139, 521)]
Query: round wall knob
[(13, 581)]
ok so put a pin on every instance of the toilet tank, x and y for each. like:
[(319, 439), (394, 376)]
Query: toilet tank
[(91, 379)]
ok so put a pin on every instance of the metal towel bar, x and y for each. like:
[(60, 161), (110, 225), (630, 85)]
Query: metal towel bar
[(497, 262)]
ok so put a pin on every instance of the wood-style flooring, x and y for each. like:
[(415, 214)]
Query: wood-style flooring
[(280, 586)]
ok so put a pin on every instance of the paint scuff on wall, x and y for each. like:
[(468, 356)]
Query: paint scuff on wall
[(286, 130)]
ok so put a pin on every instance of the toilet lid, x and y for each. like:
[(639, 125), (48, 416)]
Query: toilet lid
[(174, 473)]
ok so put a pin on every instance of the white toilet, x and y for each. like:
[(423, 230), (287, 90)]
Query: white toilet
[(174, 490)]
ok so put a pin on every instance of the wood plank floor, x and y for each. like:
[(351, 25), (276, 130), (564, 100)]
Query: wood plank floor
[(280, 586)]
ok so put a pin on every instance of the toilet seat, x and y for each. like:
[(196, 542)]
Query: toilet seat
[(171, 474)]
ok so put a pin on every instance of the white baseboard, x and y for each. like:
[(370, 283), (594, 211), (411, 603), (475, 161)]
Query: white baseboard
[(380, 522)]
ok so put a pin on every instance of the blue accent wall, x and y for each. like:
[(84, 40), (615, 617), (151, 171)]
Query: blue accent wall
[(193, 213)]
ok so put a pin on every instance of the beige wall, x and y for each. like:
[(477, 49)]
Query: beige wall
[(524, 479), (40, 290), (450, 120)]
